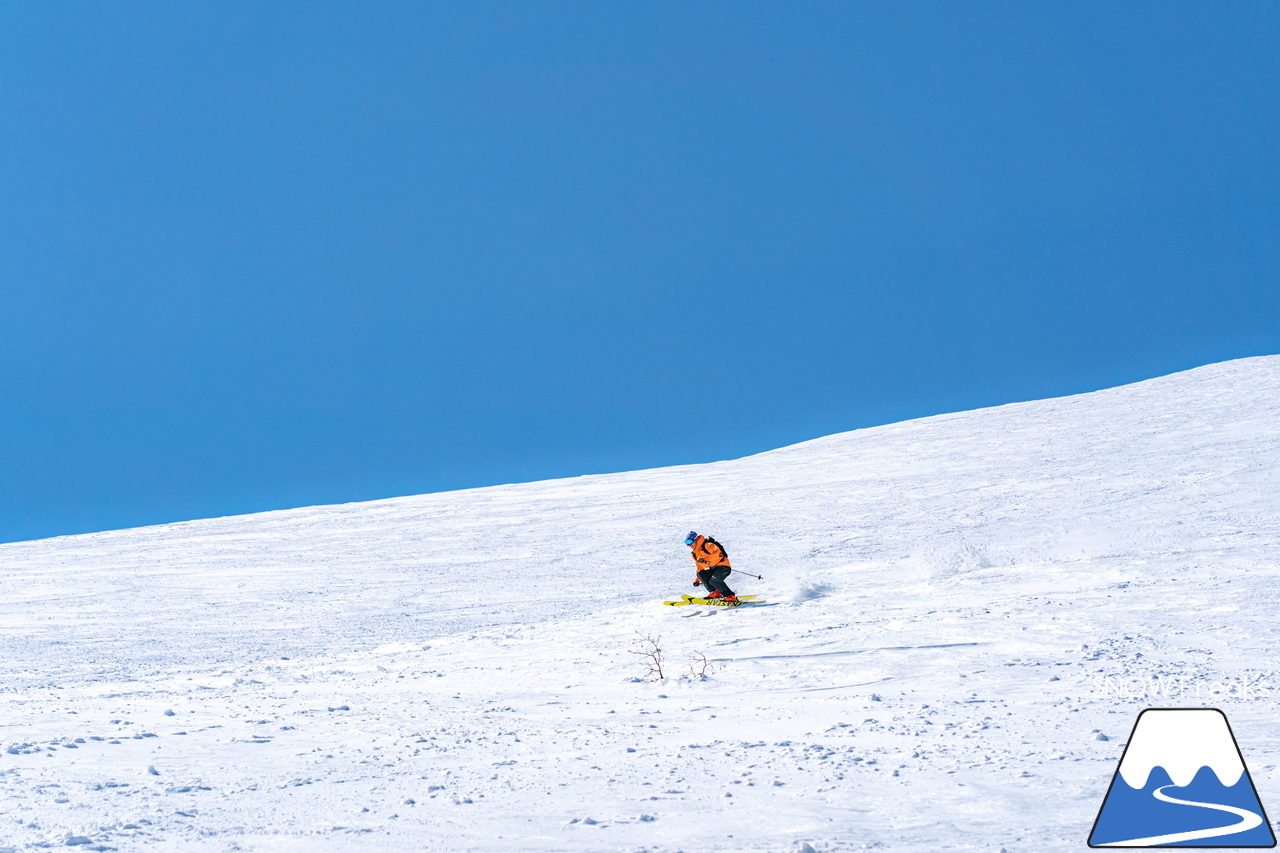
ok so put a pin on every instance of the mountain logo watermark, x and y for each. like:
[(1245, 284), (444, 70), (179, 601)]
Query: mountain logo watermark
[(1181, 780)]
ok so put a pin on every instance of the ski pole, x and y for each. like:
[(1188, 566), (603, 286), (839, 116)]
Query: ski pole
[(748, 574)]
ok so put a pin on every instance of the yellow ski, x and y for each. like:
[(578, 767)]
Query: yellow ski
[(714, 602)]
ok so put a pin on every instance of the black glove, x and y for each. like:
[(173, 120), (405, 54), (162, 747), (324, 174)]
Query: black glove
[(697, 583)]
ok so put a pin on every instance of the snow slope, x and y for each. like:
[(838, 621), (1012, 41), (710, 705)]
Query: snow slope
[(955, 602)]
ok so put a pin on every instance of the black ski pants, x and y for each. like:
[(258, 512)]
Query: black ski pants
[(713, 579)]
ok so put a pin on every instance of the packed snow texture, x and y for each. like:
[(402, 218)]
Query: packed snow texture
[(965, 616)]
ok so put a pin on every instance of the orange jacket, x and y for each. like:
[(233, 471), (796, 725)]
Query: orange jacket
[(708, 555)]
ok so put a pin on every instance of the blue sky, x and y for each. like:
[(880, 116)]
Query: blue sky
[(258, 255)]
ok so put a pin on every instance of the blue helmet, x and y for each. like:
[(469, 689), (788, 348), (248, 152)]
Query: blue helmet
[(691, 538)]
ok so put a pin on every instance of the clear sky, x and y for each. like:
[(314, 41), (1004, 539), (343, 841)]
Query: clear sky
[(261, 255)]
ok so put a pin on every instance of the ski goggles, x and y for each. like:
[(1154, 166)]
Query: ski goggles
[(691, 538)]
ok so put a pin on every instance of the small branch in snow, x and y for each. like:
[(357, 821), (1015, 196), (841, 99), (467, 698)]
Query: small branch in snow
[(698, 667), (648, 648)]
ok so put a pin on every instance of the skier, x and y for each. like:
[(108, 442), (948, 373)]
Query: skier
[(713, 566)]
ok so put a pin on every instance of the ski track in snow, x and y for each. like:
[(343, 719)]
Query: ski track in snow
[(453, 671)]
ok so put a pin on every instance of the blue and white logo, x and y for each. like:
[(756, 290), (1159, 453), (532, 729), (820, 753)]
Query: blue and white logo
[(1181, 783)]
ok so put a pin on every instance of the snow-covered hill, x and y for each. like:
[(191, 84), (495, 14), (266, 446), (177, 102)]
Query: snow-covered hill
[(954, 603)]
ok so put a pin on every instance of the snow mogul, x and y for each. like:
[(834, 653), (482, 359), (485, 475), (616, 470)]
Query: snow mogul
[(713, 566)]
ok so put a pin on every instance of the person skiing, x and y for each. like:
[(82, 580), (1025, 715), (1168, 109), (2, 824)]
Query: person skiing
[(713, 566)]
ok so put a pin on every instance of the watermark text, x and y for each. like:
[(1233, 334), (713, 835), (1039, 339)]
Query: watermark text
[(1181, 687)]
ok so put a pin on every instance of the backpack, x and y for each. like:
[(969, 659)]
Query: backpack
[(723, 552)]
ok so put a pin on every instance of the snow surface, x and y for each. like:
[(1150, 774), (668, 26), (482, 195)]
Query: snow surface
[(955, 602)]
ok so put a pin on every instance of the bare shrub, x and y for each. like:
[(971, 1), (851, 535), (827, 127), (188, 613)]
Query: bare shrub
[(650, 650), (699, 665)]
